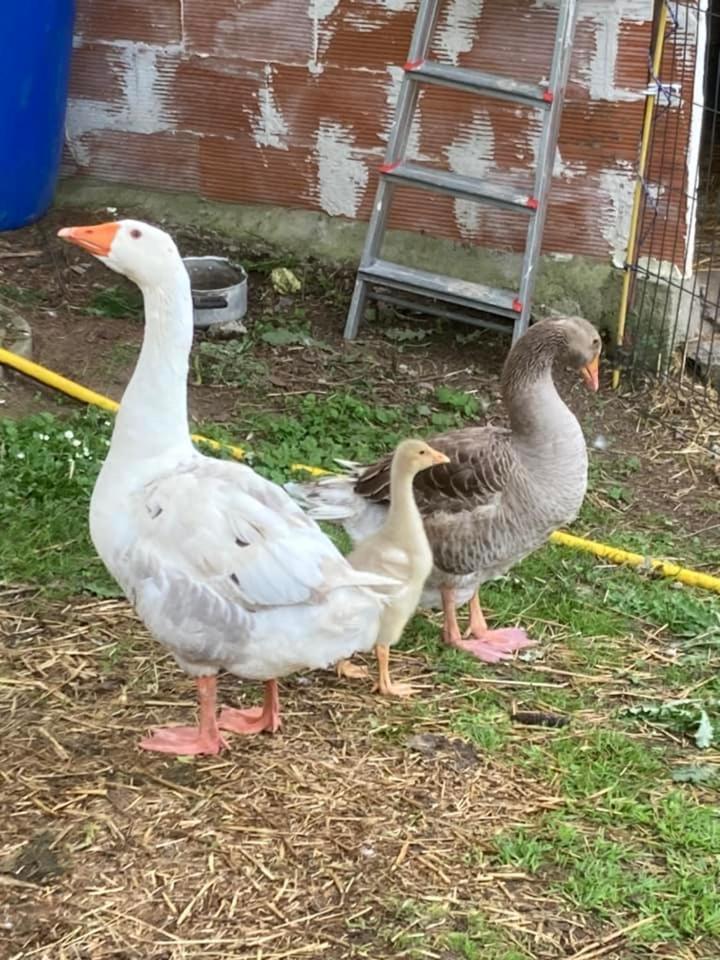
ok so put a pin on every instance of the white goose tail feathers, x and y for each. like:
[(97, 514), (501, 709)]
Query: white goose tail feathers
[(333, 498)]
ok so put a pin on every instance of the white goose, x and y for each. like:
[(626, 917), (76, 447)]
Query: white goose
[(224, 569)]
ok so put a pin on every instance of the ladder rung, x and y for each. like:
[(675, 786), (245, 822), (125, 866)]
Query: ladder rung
[(474, 80), (435, 307), (474, 296), (458, 185)]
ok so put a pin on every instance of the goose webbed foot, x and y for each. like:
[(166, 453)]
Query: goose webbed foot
[(490, 646), (350, 670), (254, 719), (191, 741), (385, 686)]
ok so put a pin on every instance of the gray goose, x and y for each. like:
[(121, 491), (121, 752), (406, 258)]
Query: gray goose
[(500, 496)]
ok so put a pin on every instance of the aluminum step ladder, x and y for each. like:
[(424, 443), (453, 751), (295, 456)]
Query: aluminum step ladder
[(376, 275)]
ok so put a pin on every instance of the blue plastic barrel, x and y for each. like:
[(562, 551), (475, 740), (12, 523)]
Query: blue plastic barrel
[(35, 51)]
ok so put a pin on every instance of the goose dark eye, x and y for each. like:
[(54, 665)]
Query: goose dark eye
[(135, 233)]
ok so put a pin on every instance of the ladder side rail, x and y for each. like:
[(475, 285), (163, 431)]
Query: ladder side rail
[(396, 146), (562, 56)]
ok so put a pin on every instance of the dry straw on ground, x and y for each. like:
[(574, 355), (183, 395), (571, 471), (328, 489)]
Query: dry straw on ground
[(360, 828)]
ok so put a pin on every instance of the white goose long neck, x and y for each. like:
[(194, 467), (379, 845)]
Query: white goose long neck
[(153, 413)]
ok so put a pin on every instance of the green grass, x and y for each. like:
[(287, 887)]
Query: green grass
[(648, 857), (47, 470), (417, 929), (116, 302), (227, 364), (314, 429), (23, 295)]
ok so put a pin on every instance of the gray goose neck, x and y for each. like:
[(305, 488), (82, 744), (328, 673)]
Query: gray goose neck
[(534, 406)]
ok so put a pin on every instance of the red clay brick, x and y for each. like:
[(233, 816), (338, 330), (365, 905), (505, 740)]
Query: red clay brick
[(162, 160), (224, 112), (151, 21), (358, 103), (265, 31), (96, 73), (631, 68), (238, 171)]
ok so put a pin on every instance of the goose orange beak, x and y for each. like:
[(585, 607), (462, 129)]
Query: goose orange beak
[(97, 239), (590, 373), (438, 457)]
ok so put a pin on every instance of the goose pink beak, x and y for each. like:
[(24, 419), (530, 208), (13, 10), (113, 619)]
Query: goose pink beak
[(438, 457), (590, 374), (97, 239)]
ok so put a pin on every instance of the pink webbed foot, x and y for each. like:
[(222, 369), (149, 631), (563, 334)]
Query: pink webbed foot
[(492, 646), (183, 741), (190, 741), (247, 722), (254, 719)]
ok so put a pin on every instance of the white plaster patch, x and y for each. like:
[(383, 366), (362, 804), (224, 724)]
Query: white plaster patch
[(413, 151), (697, 30), (269, 126), (608, 16), (397, 6), (342, 174), (567, 171), (472, 153), (618, 185), (457, 32), (561, 169), (319, 10), (361, 23), (141, 108)]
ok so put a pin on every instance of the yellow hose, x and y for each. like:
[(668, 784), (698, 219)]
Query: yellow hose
[(54, 380), (692, 577), (637, 195)]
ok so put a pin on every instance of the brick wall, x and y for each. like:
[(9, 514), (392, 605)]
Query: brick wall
[(289, 102)]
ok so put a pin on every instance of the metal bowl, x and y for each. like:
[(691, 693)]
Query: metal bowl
[(219, 291)]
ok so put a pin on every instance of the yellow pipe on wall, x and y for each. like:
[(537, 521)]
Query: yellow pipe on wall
[(613, 554), (637, 195)]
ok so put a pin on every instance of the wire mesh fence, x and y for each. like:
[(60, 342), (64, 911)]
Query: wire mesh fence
[(673, 322)]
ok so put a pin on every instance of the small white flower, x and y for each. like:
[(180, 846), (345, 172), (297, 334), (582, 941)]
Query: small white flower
[(77, 443), (86, 452), (20, 456), (68, 434), (106, 442), (44, 436)]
